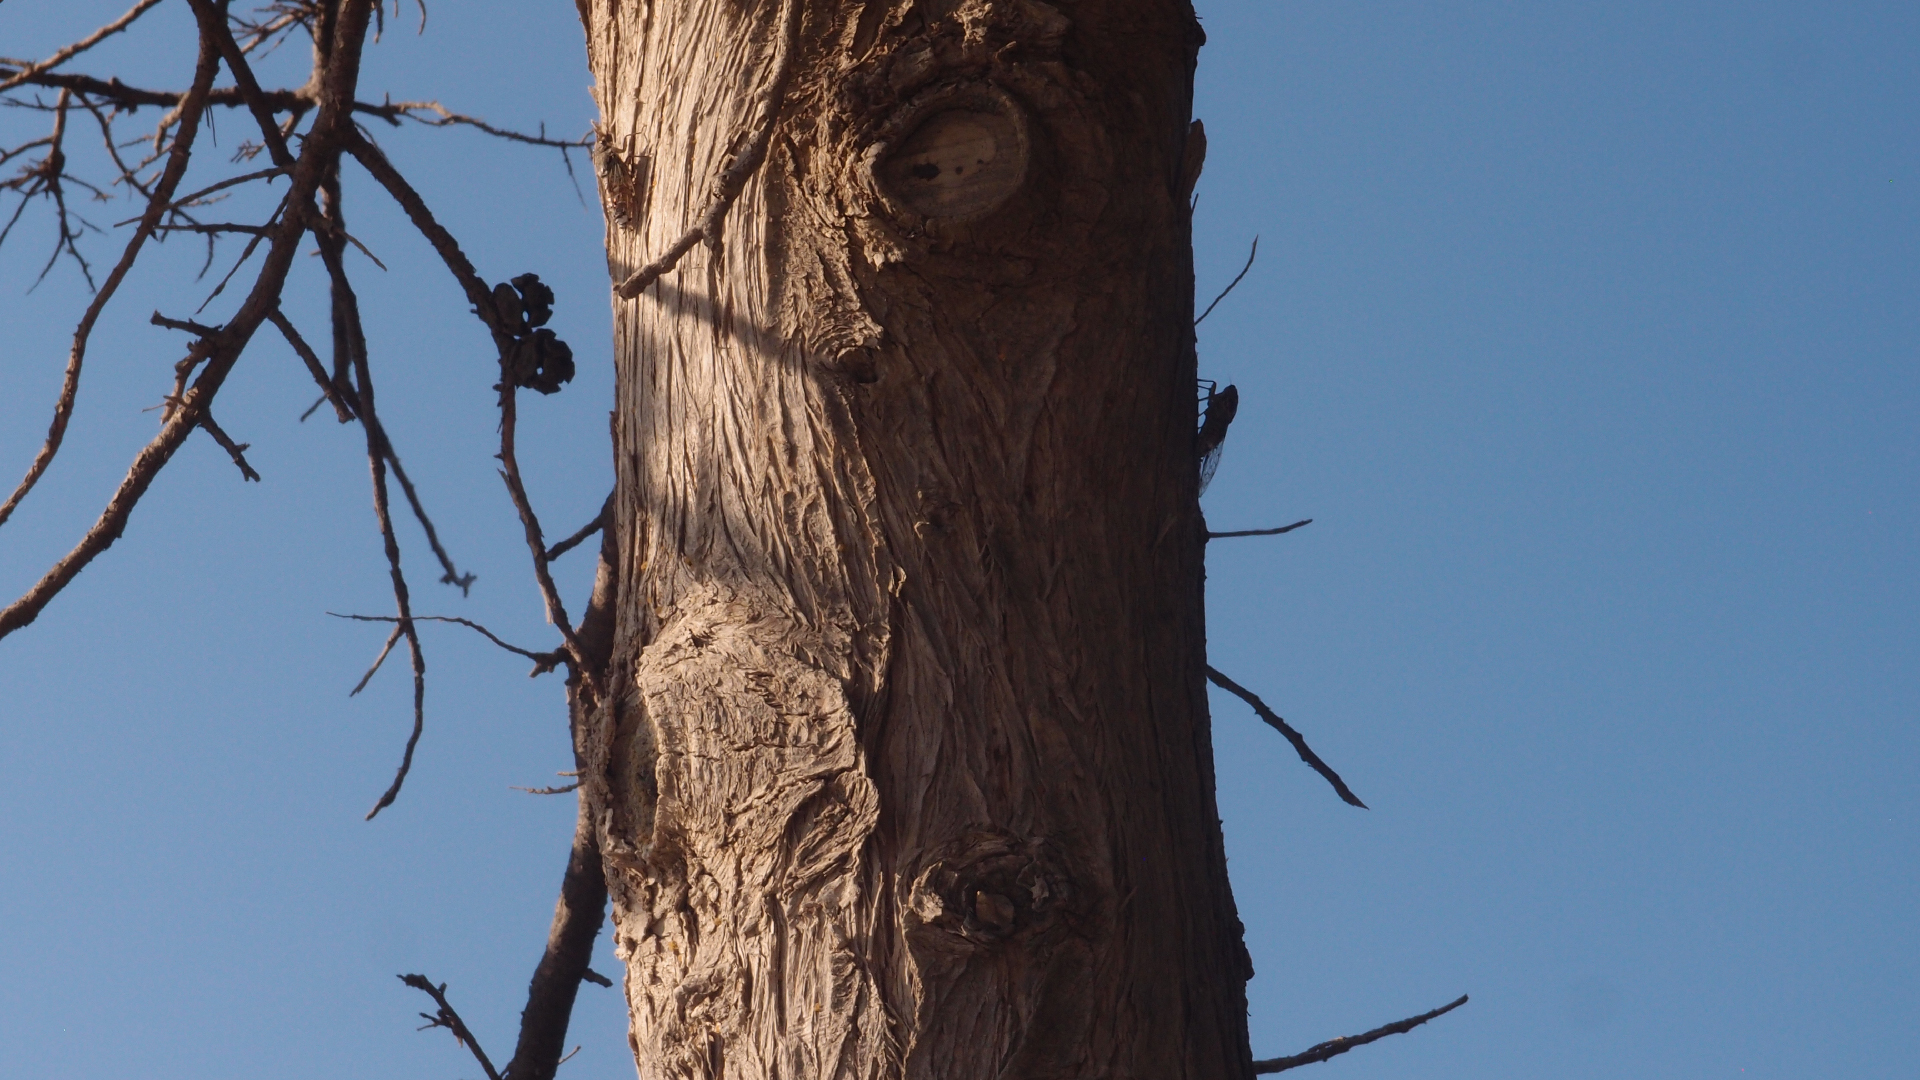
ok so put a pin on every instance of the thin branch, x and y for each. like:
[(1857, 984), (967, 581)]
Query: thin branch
[(561, 790), (378, 660), (348, 332), (539, 657), (481, 297), (336, 95), (194, 105), (733, 179), (394, 111), (581, 909), (1299, 742), (328, 391), (445, 1017), (451, 574), (27, 73), (1251, 251), (232, 181), (236, 451), (517, 491), (1260, 532), (213, 25), (586, 530), (478, 293), (187, 326), (219, 228), (1335, 1047)]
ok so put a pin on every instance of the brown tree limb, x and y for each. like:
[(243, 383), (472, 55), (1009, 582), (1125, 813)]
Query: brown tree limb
[(236, 451), (1299, 741), (1260, 532), (478, 293), (1335, 1047), (745, 162), (336, 95), (582, 906), (445, 1017), (481, 297), (329, 392), (27, 73), (577, 915), (214, 26), (586, 530), (536, 544), (205, 68), (546, 658), (350, 339)]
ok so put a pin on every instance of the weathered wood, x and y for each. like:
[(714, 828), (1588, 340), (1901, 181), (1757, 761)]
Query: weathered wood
[(906, 770)]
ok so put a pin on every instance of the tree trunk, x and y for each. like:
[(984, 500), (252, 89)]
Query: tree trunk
[(907, 770)]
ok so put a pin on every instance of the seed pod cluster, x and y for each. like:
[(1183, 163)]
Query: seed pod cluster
[(538, 359)]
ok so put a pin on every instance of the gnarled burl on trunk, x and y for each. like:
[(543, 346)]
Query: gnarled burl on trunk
[(906, 768)]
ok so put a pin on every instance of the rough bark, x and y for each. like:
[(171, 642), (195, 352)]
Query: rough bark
[(905, 769)]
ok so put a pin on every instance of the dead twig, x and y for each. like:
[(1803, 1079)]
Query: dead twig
[(586, 530), (328, 391), (561, 790), (752, 151), (205, 68), (378, 660), (1299, 742), (481, 297), (1335, 1047), (546, 658), (445, 1017), (236, 451), (336, 83), (1260, 532), (1251, 252), (27, 73)]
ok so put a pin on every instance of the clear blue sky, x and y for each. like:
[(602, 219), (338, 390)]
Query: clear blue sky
[(1585, 333)]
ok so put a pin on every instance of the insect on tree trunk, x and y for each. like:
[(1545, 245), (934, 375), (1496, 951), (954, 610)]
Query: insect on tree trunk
[(906, 769)]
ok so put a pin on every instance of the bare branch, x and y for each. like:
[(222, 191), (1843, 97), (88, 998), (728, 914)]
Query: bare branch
[(213, 26), (544, 658), (561, 790), (378, 660), (1251, 252), (27, 73), (395, 111), (586, 530), (478, 294), (745, 162), (581, 908), (1299, 742), (336, 95), (1335, 1047), (445, 1017), (329, 392), (194, 105), (1260, 532), (232, 181), (349, 333), (236, 451)]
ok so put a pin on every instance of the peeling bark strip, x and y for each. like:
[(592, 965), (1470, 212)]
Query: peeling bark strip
[(905, 769)]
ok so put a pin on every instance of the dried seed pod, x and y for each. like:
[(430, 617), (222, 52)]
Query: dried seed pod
[(536, 299), (506, 307)]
